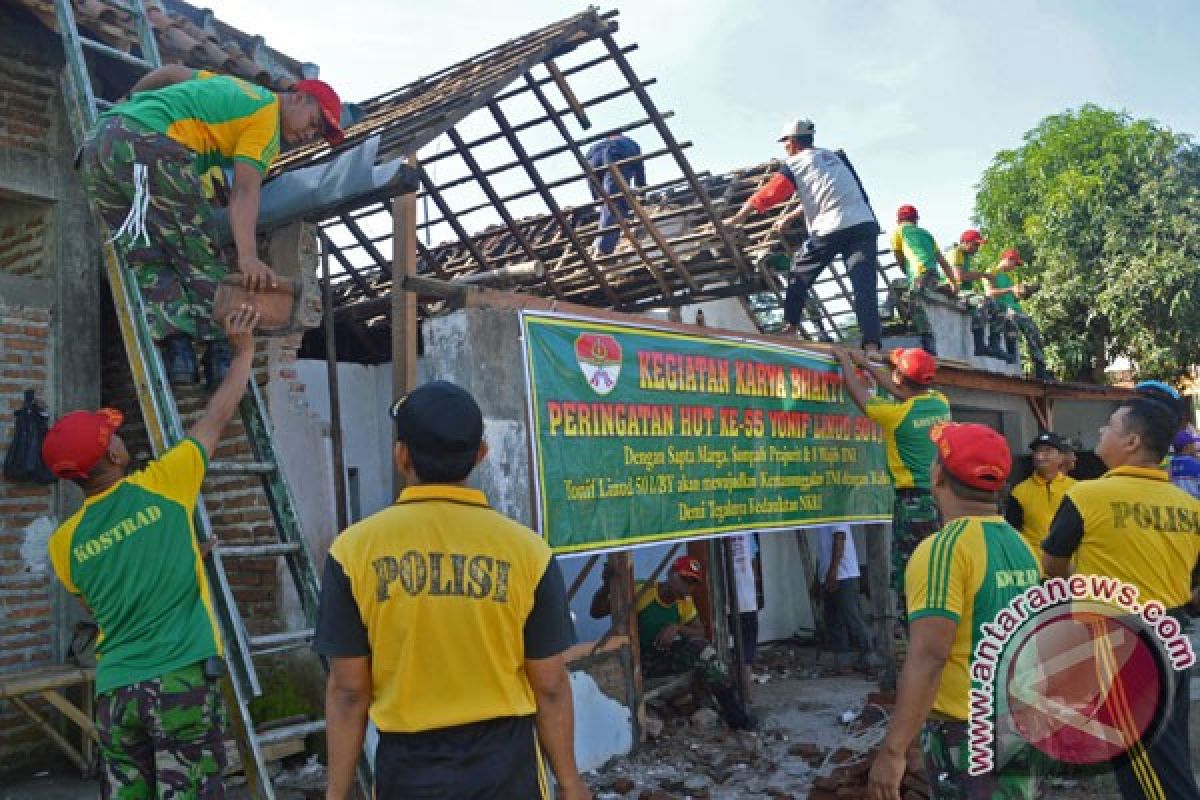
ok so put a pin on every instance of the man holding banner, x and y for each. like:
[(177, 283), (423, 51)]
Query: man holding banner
[(906, 422)]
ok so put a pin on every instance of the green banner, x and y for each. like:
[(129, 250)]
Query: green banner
[(644, 435)]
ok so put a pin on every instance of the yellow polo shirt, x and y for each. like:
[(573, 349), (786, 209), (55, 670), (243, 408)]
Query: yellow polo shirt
[(1032, 505)]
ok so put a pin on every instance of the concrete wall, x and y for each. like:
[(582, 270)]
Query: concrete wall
[(49, 342), (951, 324)]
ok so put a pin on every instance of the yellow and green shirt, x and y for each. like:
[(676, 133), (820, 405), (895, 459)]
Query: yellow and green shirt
[(1132, 524), (1032, 504), (960, 259), (920, 251), (448, 599), (967, 572), (906, 427), (1003, 280), (654, 615), (130, 553), (220, 118)]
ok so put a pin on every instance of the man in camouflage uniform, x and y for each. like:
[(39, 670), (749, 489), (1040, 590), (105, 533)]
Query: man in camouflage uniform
[(672, 636), (141, 166), (954, 588), (1007, 293), (131, 556), (987, 322), (917, 253)]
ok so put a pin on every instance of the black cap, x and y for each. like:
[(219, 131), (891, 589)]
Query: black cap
[(1052, 439), (439, 417)]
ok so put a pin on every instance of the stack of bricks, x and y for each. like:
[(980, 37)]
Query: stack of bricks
[(26, 522)]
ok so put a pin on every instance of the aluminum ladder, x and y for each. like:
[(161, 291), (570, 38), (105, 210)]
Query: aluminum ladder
[(165, 428)]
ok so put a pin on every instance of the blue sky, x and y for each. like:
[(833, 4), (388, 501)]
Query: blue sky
[(920, 94)]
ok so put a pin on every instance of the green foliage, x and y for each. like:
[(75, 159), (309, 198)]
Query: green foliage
[(1106, 212)]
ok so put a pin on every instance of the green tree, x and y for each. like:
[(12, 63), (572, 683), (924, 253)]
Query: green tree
[(1106, 212)]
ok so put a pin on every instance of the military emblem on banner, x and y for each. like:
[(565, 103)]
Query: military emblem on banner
[(599, 357)]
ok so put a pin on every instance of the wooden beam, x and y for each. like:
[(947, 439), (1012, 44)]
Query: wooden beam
[(404, 304), (335, 403), (450, 217), (71, 712), (52, 734), (652, 229), (568, 93)]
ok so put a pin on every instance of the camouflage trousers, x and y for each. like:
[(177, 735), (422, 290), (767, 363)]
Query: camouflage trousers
[(1029, 329), (175, 260), (163, 738), (914, 517), (987, 316), (945, 746), (695, 655), (915, 300)]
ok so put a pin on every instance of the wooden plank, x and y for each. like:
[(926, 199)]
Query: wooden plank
[(52, 734), (404, 304), (71, 712), (568, 94), (32, 681)]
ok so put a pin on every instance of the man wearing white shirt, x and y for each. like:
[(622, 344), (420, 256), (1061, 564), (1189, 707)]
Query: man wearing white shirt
[(837, 571)]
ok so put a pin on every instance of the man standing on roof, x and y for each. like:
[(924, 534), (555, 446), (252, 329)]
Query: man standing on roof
[(958, 581), (445, 622), (614, 149), (141, 167), (1006, 294), (131, 556), (918, 255), (1033, 502), (839, 219), (987, 323), (906, 422)]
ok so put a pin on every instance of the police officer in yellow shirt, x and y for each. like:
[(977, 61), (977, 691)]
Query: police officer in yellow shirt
[(1033, 502), (1134, 525), (446, 622)]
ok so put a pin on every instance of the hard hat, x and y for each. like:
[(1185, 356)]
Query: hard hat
[(799, 127)]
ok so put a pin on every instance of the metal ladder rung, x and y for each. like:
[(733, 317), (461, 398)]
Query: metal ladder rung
[(112, 52), (287, 732), (241, 467), (280, 642), (258, 550)]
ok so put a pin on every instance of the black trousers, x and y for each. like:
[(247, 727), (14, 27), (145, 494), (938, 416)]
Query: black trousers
[(1169, 775), (859, 247), (492, 760)]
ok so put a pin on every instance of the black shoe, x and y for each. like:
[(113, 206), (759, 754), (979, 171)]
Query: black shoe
[(216, 363), (927, 344), (996, 349), (732, 710), (180, 359)]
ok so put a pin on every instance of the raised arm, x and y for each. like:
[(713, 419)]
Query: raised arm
[(162, 77), (860, 393), (239, 327)]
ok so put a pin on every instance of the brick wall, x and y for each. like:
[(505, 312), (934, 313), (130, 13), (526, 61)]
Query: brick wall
[(25, 526), (22, 240), (28, 92)]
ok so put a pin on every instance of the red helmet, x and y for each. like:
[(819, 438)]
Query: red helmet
[(906, 213)]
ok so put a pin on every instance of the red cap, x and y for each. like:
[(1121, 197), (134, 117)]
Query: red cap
[(974, 454), (688, 567), (75, 444), (1012, 253), (331, 107), (914, 363), (906, 213), (971, 236)]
